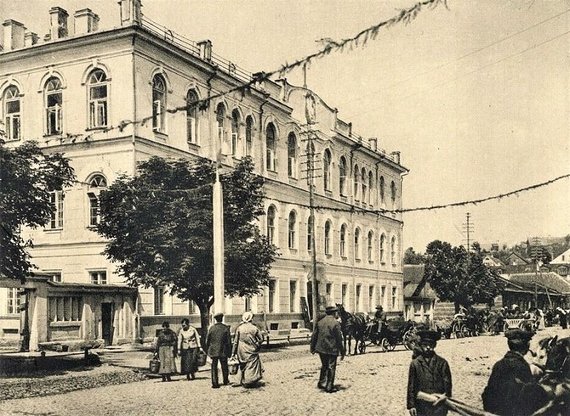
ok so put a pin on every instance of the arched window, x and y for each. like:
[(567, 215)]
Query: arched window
[(393, 250), (343, 240), (370, 187), (96, 184), (382, 248), (393, 192), (221, 124), (342, 176), (235, 132), (12, 113), (248, 135), (382, 189), (292, 155), (271, 216), (159, 103), (364, 186), (357, 244), (370, 246), (310, 233), (356, 181), (192, 117), (327, 169), (292, 240), (270, 147), (53, 101), (98, 99), (328, 237)]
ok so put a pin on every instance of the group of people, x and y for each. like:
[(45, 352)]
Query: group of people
[(218, 346)]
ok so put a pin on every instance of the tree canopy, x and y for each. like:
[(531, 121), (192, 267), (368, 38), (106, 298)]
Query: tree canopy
[(159, 226), (27, 176), (459, 276), (411, 257)]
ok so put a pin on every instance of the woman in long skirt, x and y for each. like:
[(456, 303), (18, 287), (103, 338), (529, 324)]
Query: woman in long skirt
[(247, 342), (188, 347), (166, 347)]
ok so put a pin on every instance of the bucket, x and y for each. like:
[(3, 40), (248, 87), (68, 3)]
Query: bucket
[(233, 366), (201, 359), (154, 365)]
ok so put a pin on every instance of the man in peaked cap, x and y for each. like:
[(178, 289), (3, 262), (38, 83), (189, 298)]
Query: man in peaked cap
[(512, 390), (429, 373), (327, 340)]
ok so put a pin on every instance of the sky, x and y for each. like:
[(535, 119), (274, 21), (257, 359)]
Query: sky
[(474, 95)]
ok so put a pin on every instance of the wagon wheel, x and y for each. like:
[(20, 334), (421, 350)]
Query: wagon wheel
[(407, 339), (465, 331), (486, 327), (387, 345), (456, 329), (362, 347)]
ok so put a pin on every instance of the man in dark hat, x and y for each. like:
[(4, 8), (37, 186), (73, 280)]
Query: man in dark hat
[(428, 373), (327, 341), (512, 390), (380, 317), (219, 348)]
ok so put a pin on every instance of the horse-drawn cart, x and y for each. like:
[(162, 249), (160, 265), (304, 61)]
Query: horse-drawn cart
[(391, 334)]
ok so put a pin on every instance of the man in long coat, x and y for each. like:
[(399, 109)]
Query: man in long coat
[(428, 373), (219, 348), (327, 341), (512, 390)]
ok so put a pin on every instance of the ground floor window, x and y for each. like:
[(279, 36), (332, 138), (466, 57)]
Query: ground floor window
[(98, 277), (159, 295), (13, 301)]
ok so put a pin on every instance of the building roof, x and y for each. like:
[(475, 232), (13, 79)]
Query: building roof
[(513, 254), (415, 285), (551, 281), (563, 258)]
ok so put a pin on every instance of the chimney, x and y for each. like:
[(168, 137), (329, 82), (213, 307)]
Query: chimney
[(130, 12), (30, 38), (58, 23), (13, 35), (85, 21), (395, 157), (373, 143), (205, 50)]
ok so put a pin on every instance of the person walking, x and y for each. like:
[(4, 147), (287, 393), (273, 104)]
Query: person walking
[(247, 343), (512, 389), (166, 348), (327, 341), (188, 348), (428, 373), (218, 348)]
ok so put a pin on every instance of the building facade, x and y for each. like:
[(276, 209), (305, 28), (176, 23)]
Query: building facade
[(110, 98)]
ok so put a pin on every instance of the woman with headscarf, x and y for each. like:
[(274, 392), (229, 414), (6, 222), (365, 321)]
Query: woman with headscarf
[(188, 347), (247, 342), (166, 348)]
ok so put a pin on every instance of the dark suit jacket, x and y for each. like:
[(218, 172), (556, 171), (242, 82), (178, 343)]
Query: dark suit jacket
[(218, 341), (327, 337), (433, 376), (505, 396)]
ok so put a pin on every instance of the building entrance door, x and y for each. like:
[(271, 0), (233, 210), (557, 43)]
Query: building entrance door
[(107, 322)]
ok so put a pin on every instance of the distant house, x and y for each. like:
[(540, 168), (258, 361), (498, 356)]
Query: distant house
[(543, 289), (561, 264), (516, 260), (491, 261), (419, 297)]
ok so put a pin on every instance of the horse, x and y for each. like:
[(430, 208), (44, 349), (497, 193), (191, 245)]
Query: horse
[(353, 325)]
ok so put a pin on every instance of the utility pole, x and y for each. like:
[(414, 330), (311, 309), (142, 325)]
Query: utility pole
[(468, 229), (310, 118), (535, 252)]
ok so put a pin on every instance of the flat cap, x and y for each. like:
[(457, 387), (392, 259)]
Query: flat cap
[(519, 335), (428, 335), (219, 315), (331, 309)]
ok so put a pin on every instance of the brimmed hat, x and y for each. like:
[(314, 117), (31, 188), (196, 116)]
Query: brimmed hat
[(519, 335), (247, 317), (429, 335), (379, 307), (331, 309), (218, 315)]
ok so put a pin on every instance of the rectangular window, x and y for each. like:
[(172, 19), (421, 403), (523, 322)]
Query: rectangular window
[(292, 296), (159, 294), (53, 113), (270, 162), (56, 201), (234, 144), (54, 276), (98, 106), (94, 216), (292, 166), (98, 277), (13, 301), (358, 300), (157, 124), (13, 119), (272, 299), (344, 293), (247, 304), (383, 296), (329, 293), (192, 131), (371, 297), (65, 308), (394, 298)]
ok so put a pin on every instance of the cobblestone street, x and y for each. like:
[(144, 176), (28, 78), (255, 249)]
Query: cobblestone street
[(374, 383)]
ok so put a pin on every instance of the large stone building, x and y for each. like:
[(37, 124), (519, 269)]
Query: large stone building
[(78, 91)]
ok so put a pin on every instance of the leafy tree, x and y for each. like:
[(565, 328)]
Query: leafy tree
[(459, 276), (159, 224), (411, 257), (27, 176)]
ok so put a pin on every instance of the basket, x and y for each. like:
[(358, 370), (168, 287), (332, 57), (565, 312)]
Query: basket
[(233, 365), (154, 365), (201, 360)]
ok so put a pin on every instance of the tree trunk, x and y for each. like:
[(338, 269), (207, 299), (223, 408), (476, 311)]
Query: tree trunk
[(204, 321)]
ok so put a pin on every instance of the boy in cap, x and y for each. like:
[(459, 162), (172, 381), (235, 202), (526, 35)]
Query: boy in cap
[(429, 373), (512, 390), (327, 341), (219, 348)]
